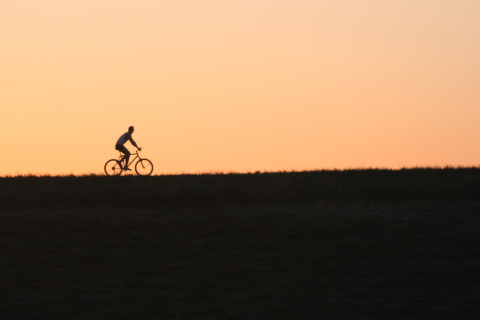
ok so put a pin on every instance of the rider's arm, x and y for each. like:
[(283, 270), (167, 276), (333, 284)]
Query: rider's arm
[(133, 142)]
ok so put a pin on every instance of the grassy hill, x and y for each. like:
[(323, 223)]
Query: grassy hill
[(355, 244), (241, 189)]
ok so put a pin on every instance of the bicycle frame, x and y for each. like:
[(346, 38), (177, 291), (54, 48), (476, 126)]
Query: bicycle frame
[(122, 157)]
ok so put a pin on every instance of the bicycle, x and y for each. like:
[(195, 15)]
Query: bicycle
[(143, 167)]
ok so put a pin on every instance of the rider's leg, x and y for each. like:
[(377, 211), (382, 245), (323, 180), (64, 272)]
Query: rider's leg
[(126, 154)]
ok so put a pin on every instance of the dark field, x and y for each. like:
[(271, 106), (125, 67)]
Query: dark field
[(358, 244)]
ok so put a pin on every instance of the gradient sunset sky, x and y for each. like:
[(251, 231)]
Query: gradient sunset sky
[(244, 85)]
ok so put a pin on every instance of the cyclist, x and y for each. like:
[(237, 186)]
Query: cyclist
[(127, 136)]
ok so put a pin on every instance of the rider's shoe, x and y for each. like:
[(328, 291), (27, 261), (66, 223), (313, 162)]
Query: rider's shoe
[(127, 169)]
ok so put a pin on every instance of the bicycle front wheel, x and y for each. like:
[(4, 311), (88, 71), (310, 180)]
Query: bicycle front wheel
[(144, 167), (113, 168)]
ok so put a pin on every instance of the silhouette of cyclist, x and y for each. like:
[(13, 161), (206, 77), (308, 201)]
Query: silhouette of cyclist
[(127, 136)]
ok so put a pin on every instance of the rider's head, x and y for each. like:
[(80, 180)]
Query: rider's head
[(130, 129)]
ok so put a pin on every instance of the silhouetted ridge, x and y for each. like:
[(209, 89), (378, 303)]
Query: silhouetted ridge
[(241, 189)]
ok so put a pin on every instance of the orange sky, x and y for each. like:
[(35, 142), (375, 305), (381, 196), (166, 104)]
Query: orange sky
[(216, 85)]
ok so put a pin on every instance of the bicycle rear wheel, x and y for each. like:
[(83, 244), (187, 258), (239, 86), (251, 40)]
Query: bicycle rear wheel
[(113, 168), (144, 167)]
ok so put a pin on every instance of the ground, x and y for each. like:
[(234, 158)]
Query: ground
[(335, 260)]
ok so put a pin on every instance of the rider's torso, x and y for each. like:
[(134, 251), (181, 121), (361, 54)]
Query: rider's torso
[(124, 138)]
